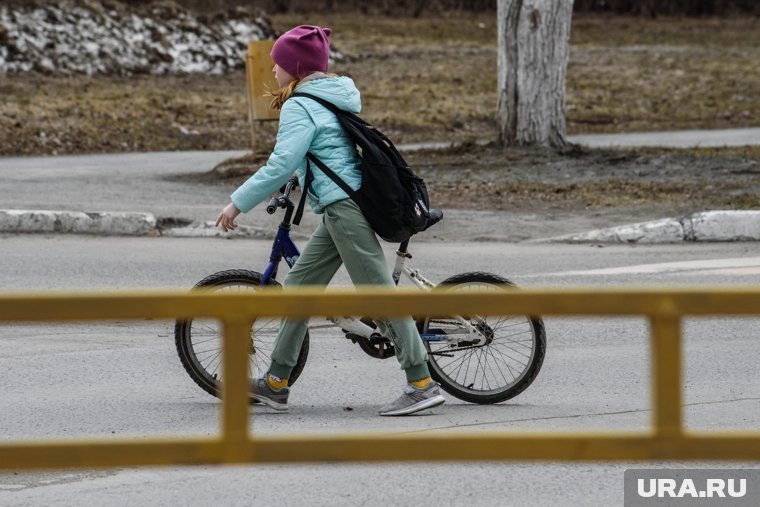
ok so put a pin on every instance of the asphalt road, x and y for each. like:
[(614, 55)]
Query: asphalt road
[(123, 379)]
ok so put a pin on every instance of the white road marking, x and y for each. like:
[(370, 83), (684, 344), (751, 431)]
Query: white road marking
[(737, 266)]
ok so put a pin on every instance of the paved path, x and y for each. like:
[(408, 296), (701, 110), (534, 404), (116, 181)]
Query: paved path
[(678, 139), (671, 139)]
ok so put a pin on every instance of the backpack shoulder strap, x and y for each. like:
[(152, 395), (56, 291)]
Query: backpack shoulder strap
[(306, 183), (329, 172), (329, 105), (310, 177), (342, 114)]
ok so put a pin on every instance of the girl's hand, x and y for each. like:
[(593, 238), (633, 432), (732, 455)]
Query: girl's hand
[(227, 218)]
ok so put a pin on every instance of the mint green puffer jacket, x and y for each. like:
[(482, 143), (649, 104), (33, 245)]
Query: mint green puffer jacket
[(305, 126)]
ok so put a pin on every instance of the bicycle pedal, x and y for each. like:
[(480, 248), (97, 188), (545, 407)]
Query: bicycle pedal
[(378, 339)]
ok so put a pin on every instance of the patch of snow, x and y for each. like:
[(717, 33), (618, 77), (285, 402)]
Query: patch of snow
[(75, 39)]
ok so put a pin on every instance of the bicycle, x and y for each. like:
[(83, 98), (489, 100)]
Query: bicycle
[(475, 359)]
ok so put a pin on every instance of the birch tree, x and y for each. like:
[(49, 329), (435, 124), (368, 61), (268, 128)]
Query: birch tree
[(533, 40)]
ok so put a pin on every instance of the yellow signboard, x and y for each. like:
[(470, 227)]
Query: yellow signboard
[(258, 68)]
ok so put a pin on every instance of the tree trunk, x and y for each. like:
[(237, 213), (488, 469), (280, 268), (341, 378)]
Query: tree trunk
[(419, 6), (534, 39)]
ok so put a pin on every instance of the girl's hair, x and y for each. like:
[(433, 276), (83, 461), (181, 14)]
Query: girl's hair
[(281, 95)]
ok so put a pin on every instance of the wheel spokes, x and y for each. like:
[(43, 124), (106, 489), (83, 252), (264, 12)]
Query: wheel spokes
[(206, 341), (494, 366)]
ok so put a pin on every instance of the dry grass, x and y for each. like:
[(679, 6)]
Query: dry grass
[(424, 79), (44, 114), (663, 74)]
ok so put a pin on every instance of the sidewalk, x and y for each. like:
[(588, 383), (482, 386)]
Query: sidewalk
[(676, 139), (143, 194), (672, 139)]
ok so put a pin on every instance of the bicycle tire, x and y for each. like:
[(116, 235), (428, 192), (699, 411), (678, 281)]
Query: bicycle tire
[(263, 334), (523, 334)]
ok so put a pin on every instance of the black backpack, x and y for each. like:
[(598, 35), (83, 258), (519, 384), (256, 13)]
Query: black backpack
[(392, 198)]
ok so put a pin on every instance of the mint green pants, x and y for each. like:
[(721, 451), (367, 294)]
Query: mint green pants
[(345, 237)]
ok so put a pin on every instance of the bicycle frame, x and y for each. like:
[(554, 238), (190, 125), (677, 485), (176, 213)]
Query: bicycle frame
[(284, 248)]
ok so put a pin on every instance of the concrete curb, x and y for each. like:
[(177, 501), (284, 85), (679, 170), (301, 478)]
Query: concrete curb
[(209, 230), (120, 224), (103, 223), (706, 226)]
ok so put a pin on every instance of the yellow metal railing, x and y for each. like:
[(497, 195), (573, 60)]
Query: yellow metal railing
[(667, 438)]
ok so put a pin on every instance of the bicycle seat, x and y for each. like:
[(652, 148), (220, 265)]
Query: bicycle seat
[(436, 216)]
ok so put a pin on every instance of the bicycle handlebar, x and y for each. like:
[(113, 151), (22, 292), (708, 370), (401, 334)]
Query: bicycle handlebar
[(282, 201)]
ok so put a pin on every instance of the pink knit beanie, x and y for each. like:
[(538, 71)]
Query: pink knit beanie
[(302, 50)]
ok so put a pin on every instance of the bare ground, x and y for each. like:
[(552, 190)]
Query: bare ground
[(533, 180), (526, 193)]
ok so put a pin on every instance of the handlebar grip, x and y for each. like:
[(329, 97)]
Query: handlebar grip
[(272, 206)]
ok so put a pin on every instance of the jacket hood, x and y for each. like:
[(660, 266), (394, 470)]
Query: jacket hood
[(341, 91)]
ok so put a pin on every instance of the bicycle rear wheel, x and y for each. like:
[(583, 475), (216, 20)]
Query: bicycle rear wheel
[(500, 363), (199, 341)]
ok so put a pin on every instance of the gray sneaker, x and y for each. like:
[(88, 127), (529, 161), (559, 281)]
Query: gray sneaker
[(415, 399), (261, 392)]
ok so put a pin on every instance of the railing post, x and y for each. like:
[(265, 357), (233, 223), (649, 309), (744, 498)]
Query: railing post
[(667, 383), (235, 388)]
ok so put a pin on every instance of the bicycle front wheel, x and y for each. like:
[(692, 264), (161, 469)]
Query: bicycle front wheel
[(496, 363), (199, 341)]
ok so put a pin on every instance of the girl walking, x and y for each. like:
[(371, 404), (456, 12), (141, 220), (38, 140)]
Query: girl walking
[(343, 236)]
